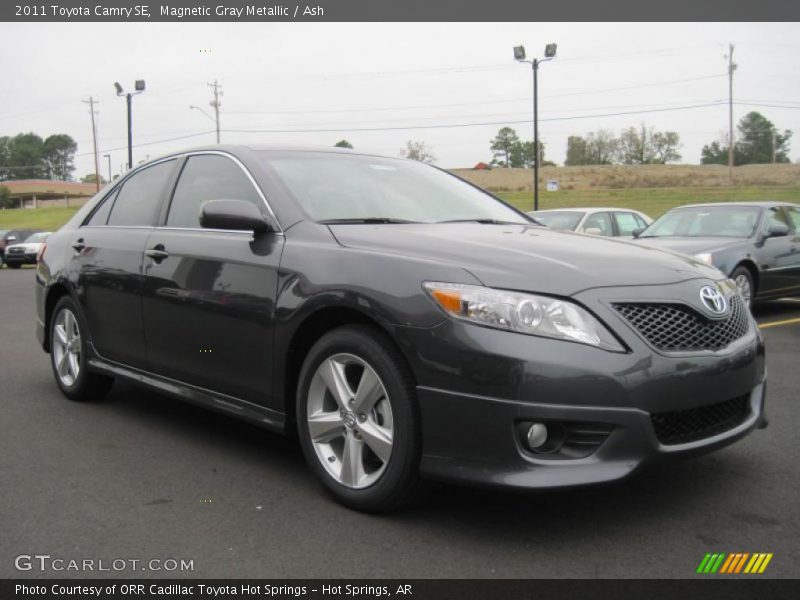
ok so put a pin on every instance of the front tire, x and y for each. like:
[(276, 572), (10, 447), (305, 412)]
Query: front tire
[(358, 420), (68, 352)]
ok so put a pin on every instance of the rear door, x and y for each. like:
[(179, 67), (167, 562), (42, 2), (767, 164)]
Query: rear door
[(108, 255), (210, 294)]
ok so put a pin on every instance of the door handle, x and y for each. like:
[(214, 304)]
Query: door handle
[(78, 246), (157, 253)]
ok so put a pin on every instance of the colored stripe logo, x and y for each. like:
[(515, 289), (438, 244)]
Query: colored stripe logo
[(735, 562)]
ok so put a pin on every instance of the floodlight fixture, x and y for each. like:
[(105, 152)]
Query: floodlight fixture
[(119, 89), (519, 52), (550, 50)]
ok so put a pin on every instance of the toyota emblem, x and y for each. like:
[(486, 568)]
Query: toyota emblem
[(713, 300)]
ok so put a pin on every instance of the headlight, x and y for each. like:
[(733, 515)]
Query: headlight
[(522, 313), (704, 257)]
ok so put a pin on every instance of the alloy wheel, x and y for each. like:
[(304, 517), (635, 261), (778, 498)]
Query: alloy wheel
[(350, 420), (67, 347), (745, 289)]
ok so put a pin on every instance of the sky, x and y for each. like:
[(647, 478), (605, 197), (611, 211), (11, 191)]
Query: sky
[(382, 84)]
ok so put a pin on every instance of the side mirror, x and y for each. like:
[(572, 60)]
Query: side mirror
[(777, 230), (238, 215), (638, 231)]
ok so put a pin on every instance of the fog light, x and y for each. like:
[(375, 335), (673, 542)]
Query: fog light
[(537, 435)]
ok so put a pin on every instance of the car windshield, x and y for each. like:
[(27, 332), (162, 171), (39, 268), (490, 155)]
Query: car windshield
[(559, 219), (346, 188), (706, 221), (37, 238)]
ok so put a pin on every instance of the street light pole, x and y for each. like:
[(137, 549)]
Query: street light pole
[(519, 55), (535, 64), (139, 87)]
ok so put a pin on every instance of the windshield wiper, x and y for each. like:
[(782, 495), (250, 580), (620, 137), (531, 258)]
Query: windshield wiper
[(490, 221), (367, 221)]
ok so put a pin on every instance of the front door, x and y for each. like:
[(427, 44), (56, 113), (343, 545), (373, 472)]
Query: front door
[(209, 295)]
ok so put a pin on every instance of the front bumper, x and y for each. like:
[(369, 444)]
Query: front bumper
[(20, 259), (476, 385)]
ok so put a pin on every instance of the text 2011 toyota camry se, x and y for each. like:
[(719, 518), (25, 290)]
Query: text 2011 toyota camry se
[(406, 323)]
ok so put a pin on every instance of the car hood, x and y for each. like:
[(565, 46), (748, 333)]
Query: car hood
[(528, 258), (691, 245)]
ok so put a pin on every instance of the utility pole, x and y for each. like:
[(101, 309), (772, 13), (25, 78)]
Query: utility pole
[(731, 69), (215, 103), (774, 146), (91, 102)]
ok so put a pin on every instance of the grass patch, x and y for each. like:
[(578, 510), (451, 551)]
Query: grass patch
[(652, 201), (47, 219)]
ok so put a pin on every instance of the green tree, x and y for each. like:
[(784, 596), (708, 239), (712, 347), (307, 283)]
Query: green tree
[(59, 155), (502, 146), (576, 151), (759, 139), (602, 148), (90, 178), (343, 144), (418, 151), (645, 146), (24, 157), (5, 197)]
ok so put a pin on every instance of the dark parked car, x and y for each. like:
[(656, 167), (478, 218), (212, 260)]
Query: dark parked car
[(757, 244), (405, 323), (13, 236)]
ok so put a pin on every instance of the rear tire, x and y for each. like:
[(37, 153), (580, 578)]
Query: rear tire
[(68, 352), (744, 281), (366, 442)]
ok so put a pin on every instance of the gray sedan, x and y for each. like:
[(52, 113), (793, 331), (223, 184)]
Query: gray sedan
[(757, 244)]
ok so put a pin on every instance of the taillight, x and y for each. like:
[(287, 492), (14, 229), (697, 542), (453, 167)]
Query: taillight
[(41, 253)]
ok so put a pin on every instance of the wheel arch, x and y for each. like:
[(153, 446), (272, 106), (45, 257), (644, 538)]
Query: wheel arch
[(312, 328), (751, 266), (54, 293)]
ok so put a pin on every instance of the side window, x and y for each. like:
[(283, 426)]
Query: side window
[(100, 215), (138, 201), (598, 224), (627, 222), (208, 177), (794, 217)]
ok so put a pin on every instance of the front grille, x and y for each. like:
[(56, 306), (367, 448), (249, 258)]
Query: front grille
[(694, 424), (680, 328), (16, 251)]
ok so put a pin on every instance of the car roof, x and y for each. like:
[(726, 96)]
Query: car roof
[(592, 209), (238, 148), (753, 203)]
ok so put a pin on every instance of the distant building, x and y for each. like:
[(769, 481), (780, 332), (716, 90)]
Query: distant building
[(36, 193), (482, 166)]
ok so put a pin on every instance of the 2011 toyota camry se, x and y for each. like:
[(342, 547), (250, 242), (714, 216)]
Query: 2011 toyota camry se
[(405, 323)]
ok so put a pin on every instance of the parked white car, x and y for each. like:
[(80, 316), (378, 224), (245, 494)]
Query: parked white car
[(611, 222), (25, 253)]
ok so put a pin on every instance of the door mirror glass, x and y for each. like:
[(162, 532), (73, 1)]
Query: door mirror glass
[(239, 215), (777, 229)]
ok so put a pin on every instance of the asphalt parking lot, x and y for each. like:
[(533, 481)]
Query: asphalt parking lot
[(141, 476)]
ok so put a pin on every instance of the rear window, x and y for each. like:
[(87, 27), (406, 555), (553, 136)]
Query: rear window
[(559, 220), (139, 200)]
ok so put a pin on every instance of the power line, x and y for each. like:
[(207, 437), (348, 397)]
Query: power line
[(154, 142), (454, 104)]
